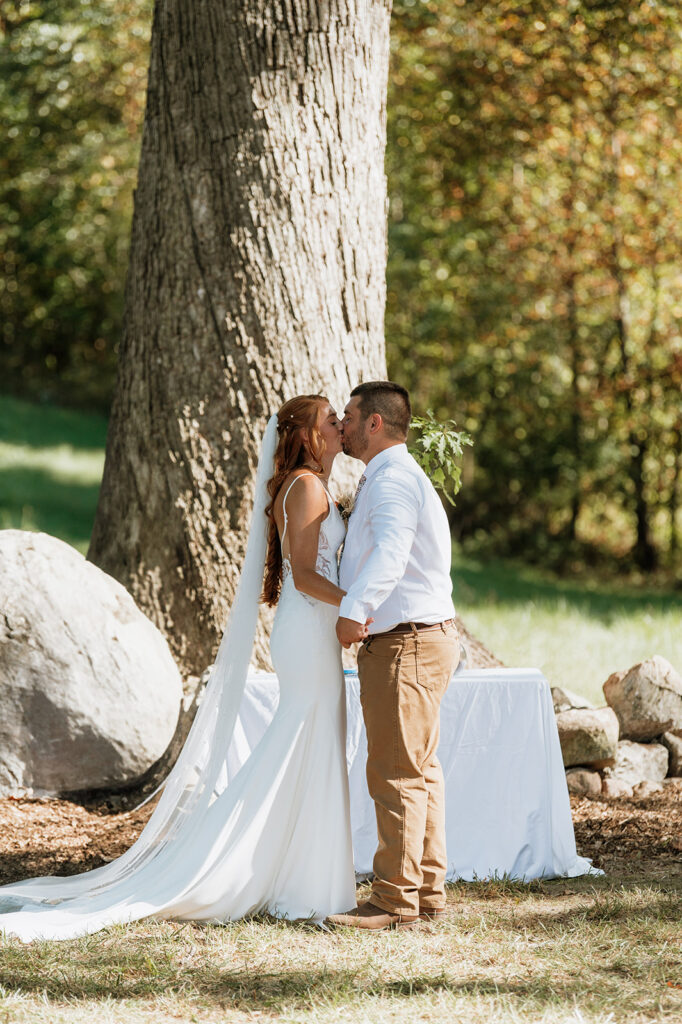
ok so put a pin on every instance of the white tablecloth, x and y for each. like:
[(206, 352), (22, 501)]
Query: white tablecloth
[(507, 806)]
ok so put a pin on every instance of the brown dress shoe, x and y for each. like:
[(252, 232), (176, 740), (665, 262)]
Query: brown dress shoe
[(367, 916), (431, 913)]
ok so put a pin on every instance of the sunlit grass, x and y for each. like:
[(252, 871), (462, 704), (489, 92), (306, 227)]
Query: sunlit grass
[(575, 633), (61, 462), (51, 464), (580, 951)]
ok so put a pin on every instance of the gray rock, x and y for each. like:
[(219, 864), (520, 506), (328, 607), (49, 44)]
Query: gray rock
[(644, 790), (588, 736), (582, 782), (638, 762), (566, 700), (615, 789), (674, 747), (89, 691), (647, 699)]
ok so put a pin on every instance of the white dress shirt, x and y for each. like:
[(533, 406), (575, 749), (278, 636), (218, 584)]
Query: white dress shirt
[(396, 560)]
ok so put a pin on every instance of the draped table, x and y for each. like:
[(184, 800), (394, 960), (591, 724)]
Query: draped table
[(507, 807)]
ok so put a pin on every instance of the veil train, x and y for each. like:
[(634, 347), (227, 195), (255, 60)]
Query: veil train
[(55, 907)]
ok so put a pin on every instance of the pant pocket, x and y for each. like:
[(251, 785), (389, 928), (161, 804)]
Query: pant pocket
[(436, 659)]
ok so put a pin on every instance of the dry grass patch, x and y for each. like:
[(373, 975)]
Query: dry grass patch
[(585, 950), (579, 950)]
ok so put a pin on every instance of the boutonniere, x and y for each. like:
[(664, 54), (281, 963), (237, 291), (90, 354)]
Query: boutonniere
[(345, 506)]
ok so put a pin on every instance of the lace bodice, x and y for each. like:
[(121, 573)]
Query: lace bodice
[(332, 536)]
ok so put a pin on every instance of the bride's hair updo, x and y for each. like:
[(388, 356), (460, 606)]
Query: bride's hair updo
[(298, 414)]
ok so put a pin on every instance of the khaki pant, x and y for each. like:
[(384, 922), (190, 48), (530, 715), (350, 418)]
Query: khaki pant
[(403, 677)]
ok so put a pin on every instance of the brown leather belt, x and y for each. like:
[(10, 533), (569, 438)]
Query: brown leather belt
[(407, 627)]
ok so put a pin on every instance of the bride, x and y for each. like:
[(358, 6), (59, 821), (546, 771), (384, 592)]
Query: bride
[(277, 838)]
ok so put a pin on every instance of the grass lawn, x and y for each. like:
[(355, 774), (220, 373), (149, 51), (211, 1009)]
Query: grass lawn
[(576, 633), (582, 950), (50, 469), (593, 950)]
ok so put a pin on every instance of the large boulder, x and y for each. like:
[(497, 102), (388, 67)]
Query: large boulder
[(646, 789), (89, 692), (673, 743), (583, 782), (566, 700), (638, 762), (615, 789), (647, 699), (588, 736)]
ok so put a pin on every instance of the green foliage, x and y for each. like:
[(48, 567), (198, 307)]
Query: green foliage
[(438, 448), (534, 162), (72, 79), (535, 181)]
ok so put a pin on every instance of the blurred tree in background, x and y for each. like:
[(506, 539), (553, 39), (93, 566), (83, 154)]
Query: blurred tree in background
[(72, 88), (535, 180), (534, 274)]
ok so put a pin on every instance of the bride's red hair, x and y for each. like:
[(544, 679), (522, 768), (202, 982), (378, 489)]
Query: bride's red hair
[(295, 416)]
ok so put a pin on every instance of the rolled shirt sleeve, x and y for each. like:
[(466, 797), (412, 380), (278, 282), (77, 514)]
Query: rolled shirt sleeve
[(392, 518)]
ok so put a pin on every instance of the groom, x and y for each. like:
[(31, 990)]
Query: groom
[(396, 570)]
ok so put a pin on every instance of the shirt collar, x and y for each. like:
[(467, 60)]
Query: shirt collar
[(392, 454)]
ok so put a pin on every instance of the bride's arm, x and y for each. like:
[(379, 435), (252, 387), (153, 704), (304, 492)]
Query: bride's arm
[(306, 508)]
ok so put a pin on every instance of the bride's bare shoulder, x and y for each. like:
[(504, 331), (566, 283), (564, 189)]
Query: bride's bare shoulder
[(309, 490)]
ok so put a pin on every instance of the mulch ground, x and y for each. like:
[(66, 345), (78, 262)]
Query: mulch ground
[(632, 837), (58, 837)]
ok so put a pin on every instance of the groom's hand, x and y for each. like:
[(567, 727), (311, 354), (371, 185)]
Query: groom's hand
[(349, 631)]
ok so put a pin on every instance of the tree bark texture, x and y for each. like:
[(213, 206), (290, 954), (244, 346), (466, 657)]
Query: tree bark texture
[(257, 272)]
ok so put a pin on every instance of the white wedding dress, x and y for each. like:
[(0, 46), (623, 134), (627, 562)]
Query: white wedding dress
[(276, 838)]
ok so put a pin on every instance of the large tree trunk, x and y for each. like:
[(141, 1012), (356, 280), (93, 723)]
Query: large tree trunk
[(256, 273)]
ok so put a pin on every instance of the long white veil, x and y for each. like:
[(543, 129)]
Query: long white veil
[(122, 891)]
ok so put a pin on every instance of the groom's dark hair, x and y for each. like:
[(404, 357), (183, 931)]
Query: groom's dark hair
[(391, 401)]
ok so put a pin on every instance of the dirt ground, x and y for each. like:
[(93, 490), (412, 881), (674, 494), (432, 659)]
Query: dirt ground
[(58, 837)]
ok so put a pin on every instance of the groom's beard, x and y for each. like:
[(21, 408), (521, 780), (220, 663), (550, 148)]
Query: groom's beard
[(354, 444)]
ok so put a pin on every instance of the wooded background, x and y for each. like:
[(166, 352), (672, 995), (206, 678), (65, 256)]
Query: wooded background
[(533, 284)]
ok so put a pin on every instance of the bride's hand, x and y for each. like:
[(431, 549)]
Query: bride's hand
[(366, 627)]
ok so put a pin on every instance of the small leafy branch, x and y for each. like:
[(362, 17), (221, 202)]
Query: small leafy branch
[(438, 448)]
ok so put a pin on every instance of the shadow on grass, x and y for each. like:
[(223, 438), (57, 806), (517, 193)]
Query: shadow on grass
[(132, 967), (204, 963), (611, 896), (42, 426), (35, 499), (556, 921), (134, 970)]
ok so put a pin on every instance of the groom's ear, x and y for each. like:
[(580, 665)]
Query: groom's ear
[(375, 422)]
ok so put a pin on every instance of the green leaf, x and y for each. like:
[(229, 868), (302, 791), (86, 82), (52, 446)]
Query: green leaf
[(438, 447)]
